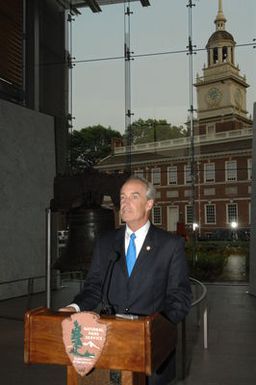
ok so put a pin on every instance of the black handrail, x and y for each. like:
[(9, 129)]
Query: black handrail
[(204, 293), (21, 279), (183, 324)]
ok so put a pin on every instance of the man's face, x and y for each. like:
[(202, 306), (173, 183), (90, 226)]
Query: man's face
[(134, 205)]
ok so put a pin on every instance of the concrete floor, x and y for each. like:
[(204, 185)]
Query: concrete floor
[(229, 360)]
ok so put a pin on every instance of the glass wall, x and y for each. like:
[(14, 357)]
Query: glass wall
[(166, 92)]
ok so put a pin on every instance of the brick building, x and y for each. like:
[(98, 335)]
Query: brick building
[(210, 186)]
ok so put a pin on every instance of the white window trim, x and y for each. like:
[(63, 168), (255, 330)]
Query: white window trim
[(226, 171), (186, 215), (139, 172), (212, 171), (210, 129), (174, 168), (187, 167), (205, 213), (227, 205), (156, 171), (160, 215)]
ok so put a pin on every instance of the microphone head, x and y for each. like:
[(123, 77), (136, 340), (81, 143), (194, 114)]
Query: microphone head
[(115, 255)]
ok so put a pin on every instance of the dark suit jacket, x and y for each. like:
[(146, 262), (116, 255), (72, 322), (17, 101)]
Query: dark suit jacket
[(159, 281)]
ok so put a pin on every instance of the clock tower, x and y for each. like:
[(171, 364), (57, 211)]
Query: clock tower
[(221, 91)]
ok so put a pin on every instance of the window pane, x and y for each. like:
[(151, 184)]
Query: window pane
[(156, 176), (209, 172), (139, 173), (189, 214), (172, 175), (187, 171), (232, 213), (231, 170), (210, 214), (157, 215)]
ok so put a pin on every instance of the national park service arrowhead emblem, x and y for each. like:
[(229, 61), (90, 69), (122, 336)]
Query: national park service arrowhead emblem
[(84, 338)]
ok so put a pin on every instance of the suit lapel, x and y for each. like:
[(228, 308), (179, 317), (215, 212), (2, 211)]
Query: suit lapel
[(146, 252)]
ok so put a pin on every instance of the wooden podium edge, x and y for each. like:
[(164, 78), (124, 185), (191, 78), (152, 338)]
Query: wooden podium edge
[(27, 327)]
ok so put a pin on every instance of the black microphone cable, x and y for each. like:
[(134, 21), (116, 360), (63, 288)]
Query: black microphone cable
[(107, 308)]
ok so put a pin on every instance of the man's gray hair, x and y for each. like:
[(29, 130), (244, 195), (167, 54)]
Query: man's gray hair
[(150, 189)]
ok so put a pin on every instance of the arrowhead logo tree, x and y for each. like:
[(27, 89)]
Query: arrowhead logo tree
[(84, 338)]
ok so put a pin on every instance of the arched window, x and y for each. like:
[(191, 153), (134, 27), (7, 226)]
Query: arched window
[(224, 54), (215, 55)]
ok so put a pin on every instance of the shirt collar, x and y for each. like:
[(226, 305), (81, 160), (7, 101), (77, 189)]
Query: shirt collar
[(140, 232)]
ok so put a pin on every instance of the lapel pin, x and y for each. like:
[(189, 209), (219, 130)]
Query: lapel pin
[(148, 248)]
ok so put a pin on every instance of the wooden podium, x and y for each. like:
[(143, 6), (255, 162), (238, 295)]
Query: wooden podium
[(135, 347)]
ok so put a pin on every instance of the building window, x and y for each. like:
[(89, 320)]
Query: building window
[(209, 172), (157, 215), (158, 194), (215, 55), (139, 173), (189, 214), (187, 174), (224, 54), (156, 176), (231, 170), (172, 194), (210, 214), (231, 191), (172, 175), (210, 129), (209, 191), (232, 213), (249, 168), (188, 193)]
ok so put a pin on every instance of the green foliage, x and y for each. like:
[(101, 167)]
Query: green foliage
[(207, 267), (208, 259), (152, 130), (238, 247), (91, 144)]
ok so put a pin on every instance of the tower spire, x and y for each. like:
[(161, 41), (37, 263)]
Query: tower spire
[(220, 18)]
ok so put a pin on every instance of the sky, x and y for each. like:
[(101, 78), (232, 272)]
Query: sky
[(160, 80)]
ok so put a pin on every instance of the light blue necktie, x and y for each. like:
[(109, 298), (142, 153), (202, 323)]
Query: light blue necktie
[(131, 254)]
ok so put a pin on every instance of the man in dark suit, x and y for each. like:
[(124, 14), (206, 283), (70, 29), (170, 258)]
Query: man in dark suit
[(157, 282)]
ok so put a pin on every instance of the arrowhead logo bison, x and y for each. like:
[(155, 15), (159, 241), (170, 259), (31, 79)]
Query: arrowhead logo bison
[(84, 338)]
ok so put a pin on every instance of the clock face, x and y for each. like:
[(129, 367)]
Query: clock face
[(213, 96)]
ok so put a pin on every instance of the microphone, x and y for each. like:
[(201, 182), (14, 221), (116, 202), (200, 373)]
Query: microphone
[(107, 308)]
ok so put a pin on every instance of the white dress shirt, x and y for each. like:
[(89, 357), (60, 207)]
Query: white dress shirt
[(140, 237)]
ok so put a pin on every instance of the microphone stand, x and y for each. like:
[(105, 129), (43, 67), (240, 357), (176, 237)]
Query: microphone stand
[(107, 308)]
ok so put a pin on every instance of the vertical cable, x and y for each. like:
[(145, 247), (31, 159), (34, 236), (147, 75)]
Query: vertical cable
[(127, 58), (191, 110), (70, 64)]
